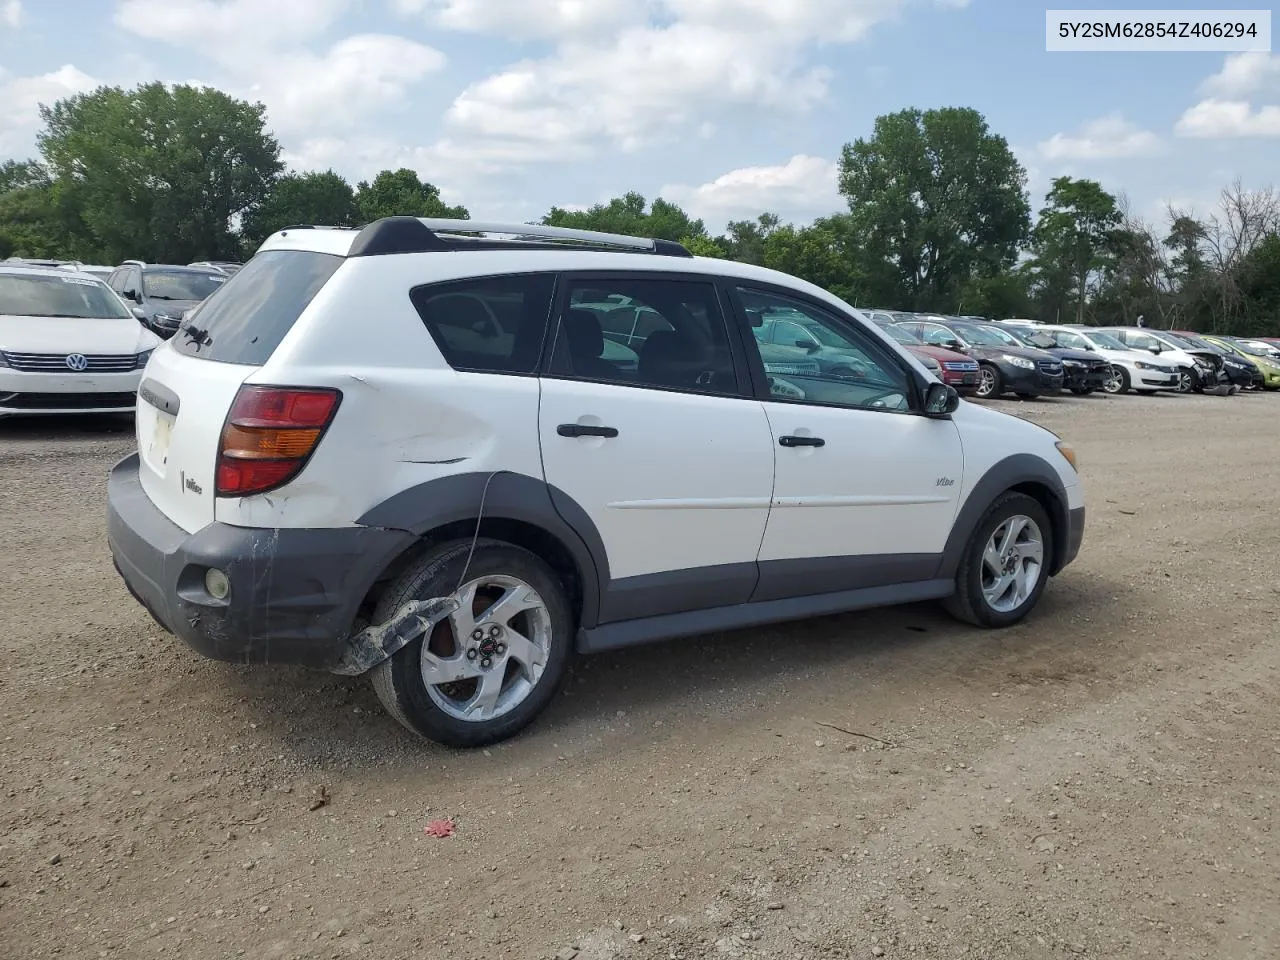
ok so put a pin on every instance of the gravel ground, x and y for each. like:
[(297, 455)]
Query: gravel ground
[(1098, 781)]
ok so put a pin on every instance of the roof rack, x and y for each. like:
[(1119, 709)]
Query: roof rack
[(421, 235), (133, 263)]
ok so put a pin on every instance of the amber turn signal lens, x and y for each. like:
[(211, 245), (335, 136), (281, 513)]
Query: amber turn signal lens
[(256, 443)]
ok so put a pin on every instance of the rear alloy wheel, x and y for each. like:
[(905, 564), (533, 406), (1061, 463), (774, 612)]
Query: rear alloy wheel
[(487, 670), (1117, 380), (989, 382), (1005, 565)]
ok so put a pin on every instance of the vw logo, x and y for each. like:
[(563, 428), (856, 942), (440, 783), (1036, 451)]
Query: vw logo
[(78, 362)]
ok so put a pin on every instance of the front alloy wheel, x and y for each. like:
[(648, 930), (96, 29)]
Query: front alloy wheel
[(988, 382), (1005, 565), (1186, 381), (1117, 380)]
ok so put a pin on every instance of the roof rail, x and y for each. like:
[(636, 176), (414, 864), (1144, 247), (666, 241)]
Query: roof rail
[(420, 235), (133, 263)]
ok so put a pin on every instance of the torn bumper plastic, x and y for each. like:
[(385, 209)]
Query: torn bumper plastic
[(374, 644), (294, 594)]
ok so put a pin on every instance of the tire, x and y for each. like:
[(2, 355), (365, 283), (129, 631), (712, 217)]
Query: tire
[(990, 383), (1187, 381), (1118, 382), (523, 676), (1082, 391), (971, 602)]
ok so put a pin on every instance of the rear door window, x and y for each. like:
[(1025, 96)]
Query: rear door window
[(247, 317)]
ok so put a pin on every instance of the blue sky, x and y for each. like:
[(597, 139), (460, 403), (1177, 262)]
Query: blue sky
[(729, 107)]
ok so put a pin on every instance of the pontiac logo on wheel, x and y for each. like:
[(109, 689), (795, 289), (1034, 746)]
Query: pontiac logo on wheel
[(78, 362)]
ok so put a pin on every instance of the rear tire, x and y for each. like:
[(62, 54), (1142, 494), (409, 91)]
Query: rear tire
[(527, 644), (997, 587)]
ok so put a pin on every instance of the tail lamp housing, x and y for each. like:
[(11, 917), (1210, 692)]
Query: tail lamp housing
[(269, 435)]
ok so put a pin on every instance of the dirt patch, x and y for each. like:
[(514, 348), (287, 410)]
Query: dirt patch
[(1099, 781)]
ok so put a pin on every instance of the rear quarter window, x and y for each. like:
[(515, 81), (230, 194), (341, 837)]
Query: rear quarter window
[(247, 317), (488, 324)]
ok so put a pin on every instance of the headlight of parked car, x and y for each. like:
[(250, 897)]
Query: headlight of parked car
[(142, 358), (1022, 362)]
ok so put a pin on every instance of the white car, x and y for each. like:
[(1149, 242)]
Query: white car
[(1130, 369), (404, 451), (1169, 350), (68, 344)]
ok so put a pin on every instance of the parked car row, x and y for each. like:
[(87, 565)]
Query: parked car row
[(1030, 358)]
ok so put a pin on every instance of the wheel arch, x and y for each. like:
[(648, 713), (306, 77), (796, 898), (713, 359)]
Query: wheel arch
[(511, 507), (1021, 473)]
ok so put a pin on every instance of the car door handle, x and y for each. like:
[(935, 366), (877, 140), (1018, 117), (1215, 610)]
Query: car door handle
[(801, 442), (582, 430)]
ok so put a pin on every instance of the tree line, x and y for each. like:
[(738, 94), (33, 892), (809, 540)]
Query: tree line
[(938, 215)]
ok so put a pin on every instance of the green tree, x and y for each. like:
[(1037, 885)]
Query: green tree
[(937, 197), (703, 246), (1260, 285), (158, 172), (1076, 233), (401, 193), (17, 174), (744, 240), (630, 215), (322, 199)]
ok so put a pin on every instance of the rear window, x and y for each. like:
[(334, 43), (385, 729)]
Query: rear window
[(180, 284), (245, 320)]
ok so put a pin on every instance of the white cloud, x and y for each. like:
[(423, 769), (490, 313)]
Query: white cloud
[(306, 93), (229, 30), (665, 68), (1107, 137), (1222, 119), (1243, 74), (263, 46), (528, 19), (11, 14), (20, 100), (802, 188)]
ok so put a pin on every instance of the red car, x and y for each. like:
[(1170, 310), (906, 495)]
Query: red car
[(953, 369)]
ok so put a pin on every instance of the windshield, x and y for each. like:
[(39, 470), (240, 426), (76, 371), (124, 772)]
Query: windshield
[(1177, 341), (986, 336), (1252, 348), (180, 285), (1104, 340), (36, 296), (900, 335)]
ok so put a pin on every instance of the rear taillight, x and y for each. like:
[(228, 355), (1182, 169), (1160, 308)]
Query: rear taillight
[(269, 435)]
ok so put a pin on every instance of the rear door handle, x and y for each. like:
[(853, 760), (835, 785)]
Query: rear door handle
[(801, 442), (582, 430)]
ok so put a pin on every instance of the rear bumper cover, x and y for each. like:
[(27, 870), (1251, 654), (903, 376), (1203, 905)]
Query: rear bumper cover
[(294, 593)]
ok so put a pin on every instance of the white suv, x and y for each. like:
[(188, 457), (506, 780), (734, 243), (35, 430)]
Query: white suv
[(455, 454)]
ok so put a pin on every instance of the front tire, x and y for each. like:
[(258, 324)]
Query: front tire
[(1005, 565), (1117, 381), (484, 673), (990, 383), (1186, 381)]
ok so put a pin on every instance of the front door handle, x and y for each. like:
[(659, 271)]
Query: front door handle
[(582, 430), (801, 442)]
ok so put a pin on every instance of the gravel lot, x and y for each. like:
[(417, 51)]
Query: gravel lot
[(1098, 781)]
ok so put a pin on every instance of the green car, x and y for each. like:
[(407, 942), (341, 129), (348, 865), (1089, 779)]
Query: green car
[(1268, 366)]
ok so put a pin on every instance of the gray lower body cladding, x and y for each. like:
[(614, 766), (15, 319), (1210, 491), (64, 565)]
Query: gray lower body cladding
[(294, 593)]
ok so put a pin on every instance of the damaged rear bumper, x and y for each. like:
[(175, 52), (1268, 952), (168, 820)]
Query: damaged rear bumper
[(294, 596)]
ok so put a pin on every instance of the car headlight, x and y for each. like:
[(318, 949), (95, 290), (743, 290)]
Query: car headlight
[(141, 360), (1022, 362)]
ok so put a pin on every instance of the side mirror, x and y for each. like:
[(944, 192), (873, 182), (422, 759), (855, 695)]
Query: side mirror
[(132, 295), (1155, 348), (955, 345), (808, 345), (139, 313), (940, 401)]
